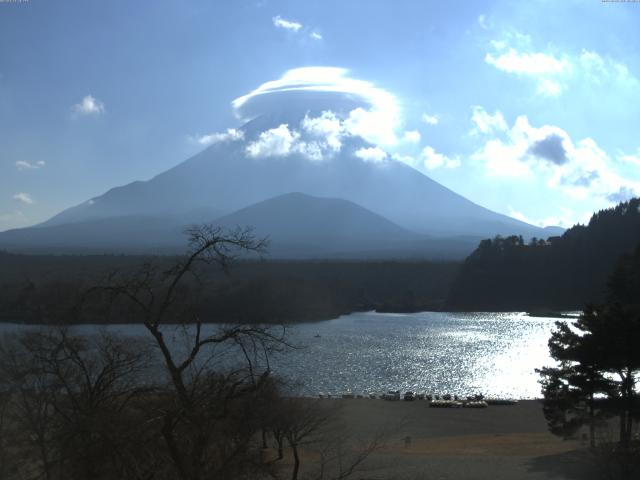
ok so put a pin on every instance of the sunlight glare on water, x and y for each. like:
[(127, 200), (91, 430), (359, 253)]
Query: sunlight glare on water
[(459, 353), (434, 352)]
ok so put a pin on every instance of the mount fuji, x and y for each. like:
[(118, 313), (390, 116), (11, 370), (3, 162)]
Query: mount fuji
[(299, 174)]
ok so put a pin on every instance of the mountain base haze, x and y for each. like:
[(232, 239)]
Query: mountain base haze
[(312, 198)]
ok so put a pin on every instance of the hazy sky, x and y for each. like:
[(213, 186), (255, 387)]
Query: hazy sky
[(528, 108)]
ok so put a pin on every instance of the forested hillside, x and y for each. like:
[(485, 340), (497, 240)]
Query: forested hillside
[(45, 288), (557, 273)]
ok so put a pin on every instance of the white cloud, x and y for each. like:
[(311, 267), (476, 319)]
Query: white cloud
[(276, 142), (482, 21), (412, 136), (295, 27), (566, 219), (89, 105), (24, 165), (408, 159), (514, 54), (291, 25), (516, 62), (498, 44), (550, 88), (375, 126), (496, 156), (371, 154), (486, 123), (430, 119), (433, 159), (521, 216), (320, 138), (377, 120), (314, 151), (578, 168), (606, 71), (633, 159), (523, 148), (552, 73), (23, 198), (327, 127), (232, 134), (593, 65), (323, 142)]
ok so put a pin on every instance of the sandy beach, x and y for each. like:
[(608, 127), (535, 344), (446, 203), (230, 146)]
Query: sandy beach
[(498, 443)]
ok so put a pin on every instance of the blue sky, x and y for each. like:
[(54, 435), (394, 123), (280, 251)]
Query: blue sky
[(528, 108)]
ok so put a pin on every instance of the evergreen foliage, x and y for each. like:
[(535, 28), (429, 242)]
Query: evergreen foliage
[(564, 272), (599, 361)]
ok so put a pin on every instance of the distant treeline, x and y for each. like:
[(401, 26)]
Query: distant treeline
[(508, 273), (564, 272), (45, 288)]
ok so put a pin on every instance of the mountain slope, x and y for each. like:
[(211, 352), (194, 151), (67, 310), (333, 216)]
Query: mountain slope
[(296, 216), (297, 225), (124, 234), (302, 225), (224, 177)]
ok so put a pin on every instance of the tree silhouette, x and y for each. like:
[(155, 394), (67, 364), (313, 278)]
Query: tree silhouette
[(561, 273), (598, 356)]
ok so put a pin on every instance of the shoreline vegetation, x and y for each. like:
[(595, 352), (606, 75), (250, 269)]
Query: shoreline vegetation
[(209, 419), (558, 274), (42, 289), (538, 276)]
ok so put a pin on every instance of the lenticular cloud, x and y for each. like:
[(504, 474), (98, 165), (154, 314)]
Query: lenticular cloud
[(368, 111)]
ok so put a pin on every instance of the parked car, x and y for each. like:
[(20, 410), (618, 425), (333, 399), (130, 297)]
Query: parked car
[(409, 396), (391, 395)]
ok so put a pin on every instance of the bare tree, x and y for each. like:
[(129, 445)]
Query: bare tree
[(304, 419), (29, 414), (204, 392), (342, 456), (316, 427), (92, 407), (69, 398), (4, 434)]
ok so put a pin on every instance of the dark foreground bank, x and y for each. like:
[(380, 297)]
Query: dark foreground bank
[(498, 443)]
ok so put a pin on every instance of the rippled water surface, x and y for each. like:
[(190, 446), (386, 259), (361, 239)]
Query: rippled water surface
[(457, 353), (435, 352)]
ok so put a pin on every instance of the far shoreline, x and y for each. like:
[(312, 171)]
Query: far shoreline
[(552, 314)]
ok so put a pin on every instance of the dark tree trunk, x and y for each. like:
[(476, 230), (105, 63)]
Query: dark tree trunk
[(296, 462), (592, 426), (280, 441), (623, 427), (630, 394)]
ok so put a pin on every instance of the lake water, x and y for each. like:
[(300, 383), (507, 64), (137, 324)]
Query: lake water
[(434, 352), (457, 353)]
